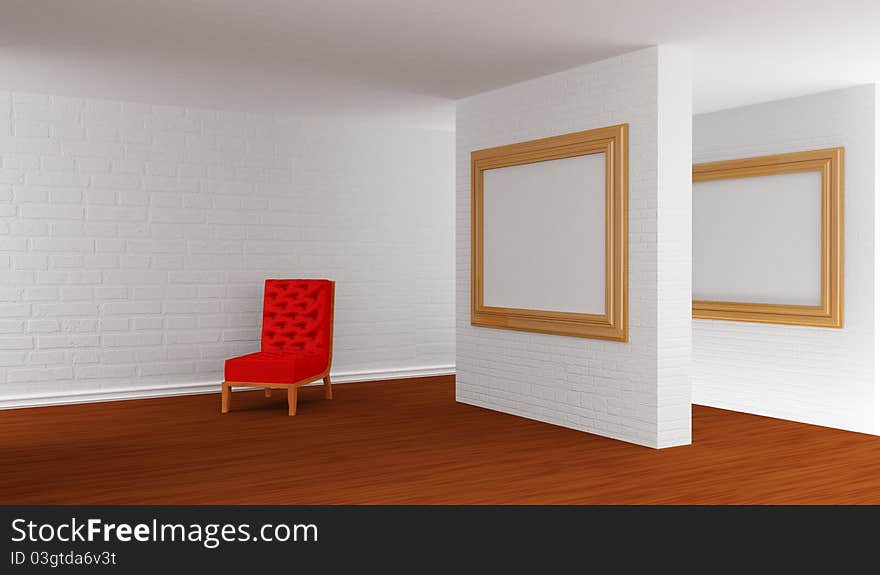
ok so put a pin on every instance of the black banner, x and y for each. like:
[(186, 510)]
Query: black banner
[(238, 539)]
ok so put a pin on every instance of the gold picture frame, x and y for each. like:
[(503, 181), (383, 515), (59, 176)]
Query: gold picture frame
[(829, 163), (610, 325)]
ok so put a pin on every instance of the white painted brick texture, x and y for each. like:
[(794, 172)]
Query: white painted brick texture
[(876, 257), (134, 240), (674, 246), (814, 375), (607, 388)]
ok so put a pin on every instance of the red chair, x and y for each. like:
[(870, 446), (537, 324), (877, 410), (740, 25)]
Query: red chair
[(296, 346)]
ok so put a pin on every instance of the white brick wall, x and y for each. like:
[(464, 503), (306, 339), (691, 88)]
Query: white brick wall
[(876, 257), (815, 375), (134, 240), (675, 132), (633, 391)]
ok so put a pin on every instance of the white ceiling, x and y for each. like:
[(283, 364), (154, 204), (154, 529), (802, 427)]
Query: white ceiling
[(418, 53)]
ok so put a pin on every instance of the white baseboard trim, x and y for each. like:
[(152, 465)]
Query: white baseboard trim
[(194, 388)]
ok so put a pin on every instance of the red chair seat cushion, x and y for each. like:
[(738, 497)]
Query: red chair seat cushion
[(269, 367)]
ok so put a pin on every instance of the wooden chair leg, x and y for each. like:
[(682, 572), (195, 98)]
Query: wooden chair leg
[(268, 391), (291, 400), (328, 391), (224, 397)]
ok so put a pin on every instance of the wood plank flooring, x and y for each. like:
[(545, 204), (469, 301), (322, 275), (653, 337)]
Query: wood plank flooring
[(408, 441)]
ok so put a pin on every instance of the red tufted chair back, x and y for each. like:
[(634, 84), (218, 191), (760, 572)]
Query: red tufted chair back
[(298, 317)]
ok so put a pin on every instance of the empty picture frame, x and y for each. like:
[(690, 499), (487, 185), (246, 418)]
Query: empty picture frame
[(768, 239), (549, 235)]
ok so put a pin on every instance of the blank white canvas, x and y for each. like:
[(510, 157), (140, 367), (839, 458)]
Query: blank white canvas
[(544, 235), (758, 239)]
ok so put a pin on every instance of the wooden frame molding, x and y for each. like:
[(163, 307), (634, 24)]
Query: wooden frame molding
[(829, 163), (611, 325)]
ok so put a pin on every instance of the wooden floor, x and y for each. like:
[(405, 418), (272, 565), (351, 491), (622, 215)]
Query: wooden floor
[(408, 442)]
